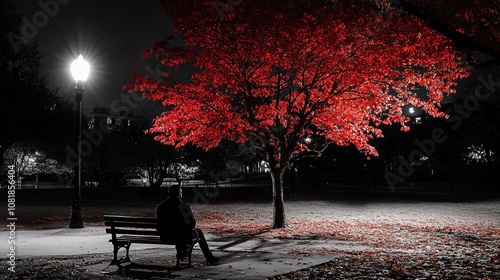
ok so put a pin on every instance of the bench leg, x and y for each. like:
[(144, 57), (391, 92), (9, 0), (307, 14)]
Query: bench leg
[(116, 248), (189, 251), (127, 247), (186, 252)]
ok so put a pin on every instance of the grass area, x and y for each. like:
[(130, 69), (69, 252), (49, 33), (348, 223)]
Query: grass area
[(409, 238), (51, 208)]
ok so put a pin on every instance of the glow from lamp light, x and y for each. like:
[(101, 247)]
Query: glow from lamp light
[(80, 69)]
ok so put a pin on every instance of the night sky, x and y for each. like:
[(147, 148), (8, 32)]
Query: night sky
[(111, 36)]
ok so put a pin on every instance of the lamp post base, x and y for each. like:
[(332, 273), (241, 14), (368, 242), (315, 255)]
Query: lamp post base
[(76, 215)]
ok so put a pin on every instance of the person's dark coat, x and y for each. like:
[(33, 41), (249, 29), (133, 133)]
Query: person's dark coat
[(175, 217)]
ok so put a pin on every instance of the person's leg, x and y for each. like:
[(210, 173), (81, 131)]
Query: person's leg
[(198, 233)]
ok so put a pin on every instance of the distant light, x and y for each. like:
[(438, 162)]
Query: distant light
[(308, 140), (411, 110), (264, 166), (80, 69)]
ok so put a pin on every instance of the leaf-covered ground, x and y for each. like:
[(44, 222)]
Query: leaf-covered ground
[(408, 239), (56, 268), (424, 240)]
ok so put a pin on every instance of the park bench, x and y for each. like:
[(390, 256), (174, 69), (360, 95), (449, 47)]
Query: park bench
[(126, 230)]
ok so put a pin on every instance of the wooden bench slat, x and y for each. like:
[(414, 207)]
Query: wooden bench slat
[(129, 219), (139, 230), (133, 231), (145, 240), (131, 224), (137, 239)]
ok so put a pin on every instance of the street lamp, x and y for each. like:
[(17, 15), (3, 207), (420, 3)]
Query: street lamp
[(80, 70)]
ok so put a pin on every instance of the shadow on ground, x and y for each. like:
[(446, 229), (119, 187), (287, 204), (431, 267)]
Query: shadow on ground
[(143, 271), (236, 264)]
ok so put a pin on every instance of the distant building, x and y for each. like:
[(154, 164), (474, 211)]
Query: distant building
[(107, 121)]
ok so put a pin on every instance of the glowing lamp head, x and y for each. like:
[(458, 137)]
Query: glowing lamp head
[(411, 110), (80, 69)]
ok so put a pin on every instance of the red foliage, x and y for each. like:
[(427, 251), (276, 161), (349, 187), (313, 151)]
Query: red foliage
[(283, 70), (479, 20), (276, 70), (47, 221)]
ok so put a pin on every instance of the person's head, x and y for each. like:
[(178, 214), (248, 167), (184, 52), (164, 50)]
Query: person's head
[(175, 190)]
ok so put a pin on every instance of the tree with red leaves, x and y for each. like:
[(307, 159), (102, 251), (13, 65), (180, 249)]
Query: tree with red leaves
[(280, 71), (474, 25)]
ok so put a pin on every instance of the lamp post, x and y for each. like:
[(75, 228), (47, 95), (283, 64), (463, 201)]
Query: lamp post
[(80, 70)]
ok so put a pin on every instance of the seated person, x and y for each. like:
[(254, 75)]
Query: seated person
[(176, 217)]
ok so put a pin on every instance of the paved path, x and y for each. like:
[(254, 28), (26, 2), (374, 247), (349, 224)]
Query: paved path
[(242, 258)]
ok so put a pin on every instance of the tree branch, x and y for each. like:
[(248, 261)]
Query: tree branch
[(434, 22)]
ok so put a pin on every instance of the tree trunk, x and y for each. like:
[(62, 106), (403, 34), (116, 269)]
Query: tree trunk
[(279, 220)]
